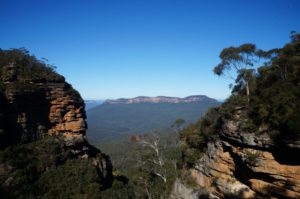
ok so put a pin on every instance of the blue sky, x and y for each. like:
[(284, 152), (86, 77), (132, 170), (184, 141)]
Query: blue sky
[(112, 49)]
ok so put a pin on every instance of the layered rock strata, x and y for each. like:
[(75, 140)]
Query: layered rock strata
[(248, 165)]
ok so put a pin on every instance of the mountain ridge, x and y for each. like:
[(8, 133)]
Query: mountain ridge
[(159, 99), (143, 115), (89, 104)]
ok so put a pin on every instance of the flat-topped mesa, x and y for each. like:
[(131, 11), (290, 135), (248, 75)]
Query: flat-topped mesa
[(159, 99)]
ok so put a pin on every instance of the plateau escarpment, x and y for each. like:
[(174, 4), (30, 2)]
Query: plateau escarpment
[(161, 99), (143, 115), (44, 151)]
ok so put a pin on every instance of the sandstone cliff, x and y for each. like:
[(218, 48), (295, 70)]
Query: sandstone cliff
[(42, 116), (245, 165), (48, 108), (249, 166), (249, 146)]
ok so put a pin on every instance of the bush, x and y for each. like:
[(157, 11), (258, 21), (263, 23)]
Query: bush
[(194, 138), (18, 64), (118, 190), (252, 157), (45, 169)]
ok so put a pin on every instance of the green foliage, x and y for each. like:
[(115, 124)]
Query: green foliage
[(157, 167), (235, 58), (249, 126), (73, 179), (295, 37), (119, 190), (274, 102), (46, 169), (238, 63), (277, 95), (228, 109), (126, 155), (19, 65), (252, 157), (275, 98), (195, 137)]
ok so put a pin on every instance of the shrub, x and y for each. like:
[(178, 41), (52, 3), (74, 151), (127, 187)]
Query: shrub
[(194, 138)]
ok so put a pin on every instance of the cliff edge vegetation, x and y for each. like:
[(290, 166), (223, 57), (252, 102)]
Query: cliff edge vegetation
[(249, 146)]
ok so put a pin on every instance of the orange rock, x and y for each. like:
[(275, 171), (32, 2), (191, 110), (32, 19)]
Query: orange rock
[(228, 172)]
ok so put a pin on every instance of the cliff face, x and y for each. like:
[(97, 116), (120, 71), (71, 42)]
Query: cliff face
[(248, 166), (43, 117), (42, 109), (35, 100), (49, 108)]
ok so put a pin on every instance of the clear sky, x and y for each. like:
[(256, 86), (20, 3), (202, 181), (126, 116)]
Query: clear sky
[(125, 48)]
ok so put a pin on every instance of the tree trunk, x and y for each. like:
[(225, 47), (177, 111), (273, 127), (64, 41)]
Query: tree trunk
[(248, 92)]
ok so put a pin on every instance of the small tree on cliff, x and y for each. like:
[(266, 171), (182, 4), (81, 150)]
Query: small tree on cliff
[(237, 63)]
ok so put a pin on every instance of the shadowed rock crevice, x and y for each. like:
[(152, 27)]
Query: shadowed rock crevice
[(286, 155), (244, 173), (31, 113)]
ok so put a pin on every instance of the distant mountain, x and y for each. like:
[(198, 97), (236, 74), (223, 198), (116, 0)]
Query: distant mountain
[(92, 103), (160, 99), (143, 114)]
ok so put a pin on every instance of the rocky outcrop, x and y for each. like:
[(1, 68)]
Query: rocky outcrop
[(32, 109), (180, 190), (67, 113), (54, 109), (42, 108), (248, 165), (161, 99)]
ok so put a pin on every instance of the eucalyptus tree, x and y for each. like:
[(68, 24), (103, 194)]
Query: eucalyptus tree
[(238, 64)]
